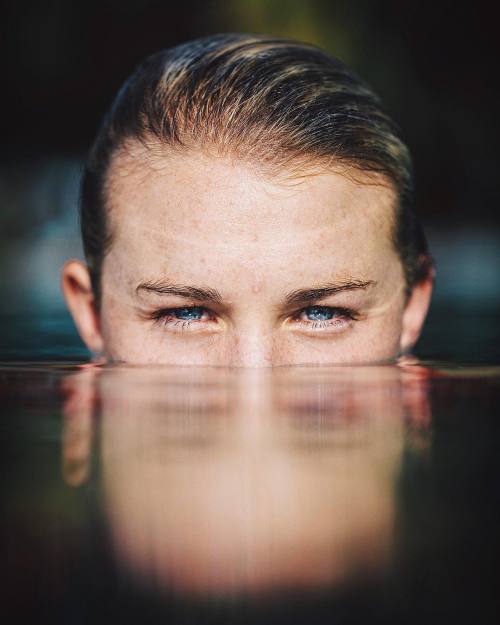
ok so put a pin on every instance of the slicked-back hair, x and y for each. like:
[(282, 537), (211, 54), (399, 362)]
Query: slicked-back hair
[(276, 103)]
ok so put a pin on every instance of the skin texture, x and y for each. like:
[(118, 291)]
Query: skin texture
[(192, 218)]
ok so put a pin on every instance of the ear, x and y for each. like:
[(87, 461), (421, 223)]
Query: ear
[(77, 289), (415, 312)]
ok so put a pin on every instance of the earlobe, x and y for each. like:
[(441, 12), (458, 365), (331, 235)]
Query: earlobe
[(415, 312), (77, 289)]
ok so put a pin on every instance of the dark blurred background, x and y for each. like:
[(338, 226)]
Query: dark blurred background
[(433, 63)]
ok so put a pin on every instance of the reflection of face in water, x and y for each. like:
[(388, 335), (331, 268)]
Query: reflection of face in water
[(218, 481)]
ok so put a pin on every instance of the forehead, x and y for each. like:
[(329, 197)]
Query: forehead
[(190, 204)]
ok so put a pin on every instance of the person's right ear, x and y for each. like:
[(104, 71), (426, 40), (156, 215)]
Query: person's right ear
[(77, 289)]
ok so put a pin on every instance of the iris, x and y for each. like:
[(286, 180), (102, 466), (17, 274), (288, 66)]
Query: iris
[(193, 313), (319, 313)]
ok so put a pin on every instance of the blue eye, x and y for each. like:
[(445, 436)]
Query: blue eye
[(183, 318), (319, 313), (326, 318), (192, 313)]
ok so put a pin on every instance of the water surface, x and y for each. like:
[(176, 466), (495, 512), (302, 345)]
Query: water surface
[(287, 495)]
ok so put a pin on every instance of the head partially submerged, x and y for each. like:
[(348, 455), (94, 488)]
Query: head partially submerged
[(247, 201)]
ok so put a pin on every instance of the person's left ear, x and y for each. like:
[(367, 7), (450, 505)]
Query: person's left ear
[(415, 312)]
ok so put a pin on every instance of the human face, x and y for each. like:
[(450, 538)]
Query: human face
[(213, 263)]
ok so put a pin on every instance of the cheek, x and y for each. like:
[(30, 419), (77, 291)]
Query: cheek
[(369, 345)]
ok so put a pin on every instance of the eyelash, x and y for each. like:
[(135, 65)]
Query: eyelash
[(344, 316)]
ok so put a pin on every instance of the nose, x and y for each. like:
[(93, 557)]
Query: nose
[(252, 349)]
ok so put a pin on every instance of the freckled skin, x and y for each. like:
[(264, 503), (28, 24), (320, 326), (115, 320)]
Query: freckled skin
[(201, 220)]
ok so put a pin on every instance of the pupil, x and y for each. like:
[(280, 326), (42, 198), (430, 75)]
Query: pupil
[(189, 314), (319, 313)]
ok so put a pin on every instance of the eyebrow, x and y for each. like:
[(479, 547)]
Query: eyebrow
[(303, 296), (199, 293), (293, 298)]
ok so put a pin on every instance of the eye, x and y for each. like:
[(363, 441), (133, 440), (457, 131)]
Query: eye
[(325, 317), (182, 318), (314, 318)]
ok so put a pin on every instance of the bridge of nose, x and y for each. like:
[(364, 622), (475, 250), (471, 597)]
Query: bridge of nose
[(256, 337), (252, 346)]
